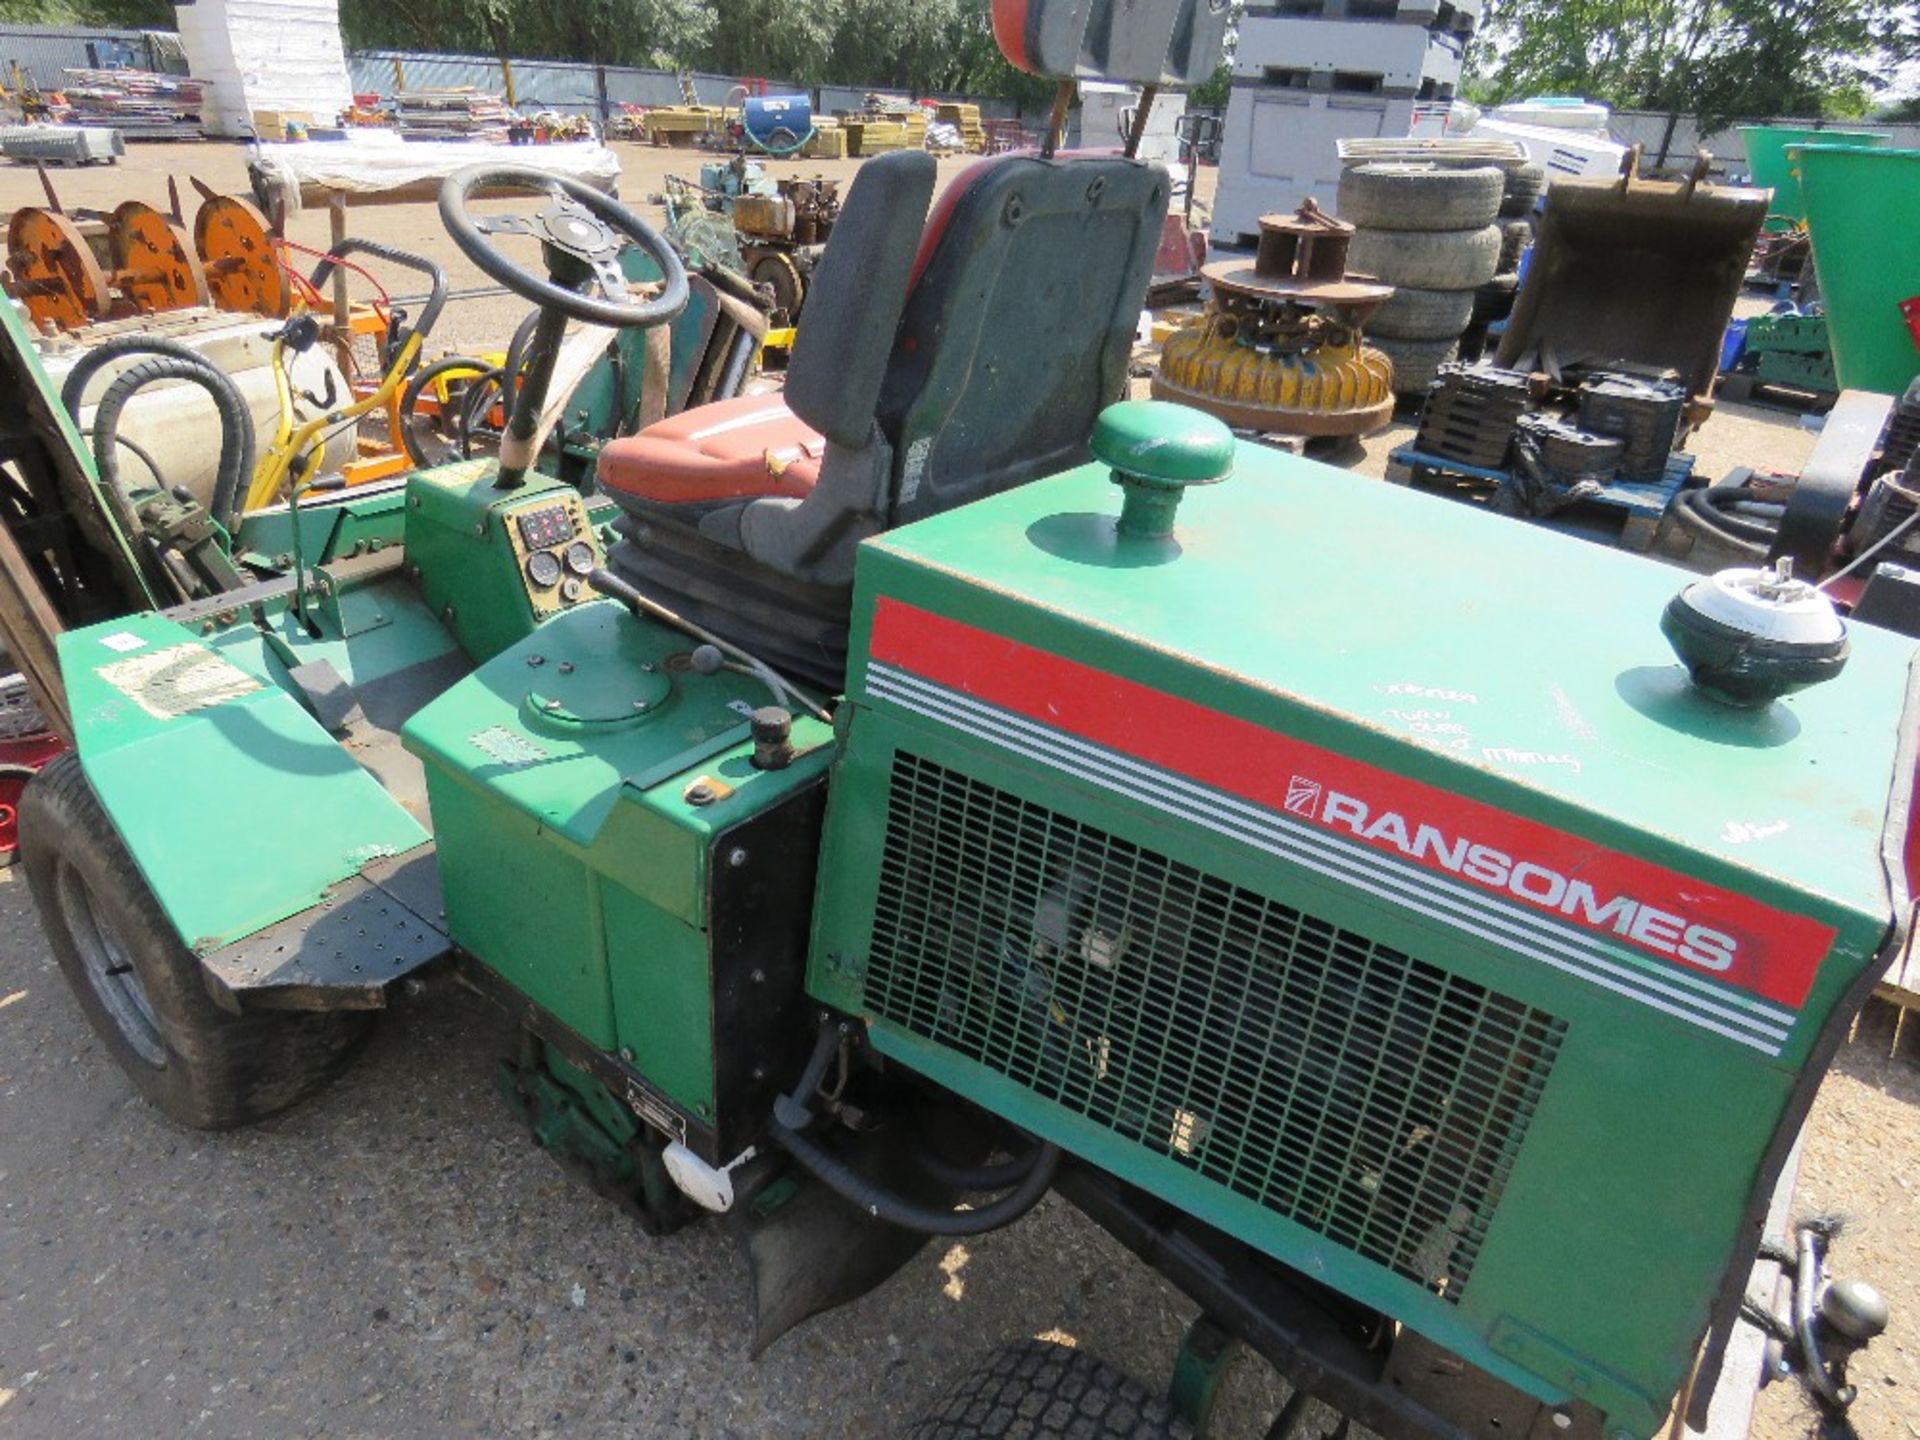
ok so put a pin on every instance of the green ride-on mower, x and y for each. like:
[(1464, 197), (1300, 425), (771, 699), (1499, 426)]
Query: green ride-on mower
[(1418, 935)]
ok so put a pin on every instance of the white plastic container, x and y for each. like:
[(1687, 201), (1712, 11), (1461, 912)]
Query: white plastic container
[(1555, 112)]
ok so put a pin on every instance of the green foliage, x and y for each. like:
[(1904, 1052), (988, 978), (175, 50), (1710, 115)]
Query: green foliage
[(917, 47), (106, 14), (1721, 60)]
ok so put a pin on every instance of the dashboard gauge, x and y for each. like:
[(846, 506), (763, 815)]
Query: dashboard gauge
[(581, 558), (543, 569)]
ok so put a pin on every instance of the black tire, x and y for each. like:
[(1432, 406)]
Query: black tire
[(1419, 197), (1037, 1389), (1515, 236), (1416, 314), (142, 989), (1430, 260), (1494, 300), (1416, 363), (1525, 184)]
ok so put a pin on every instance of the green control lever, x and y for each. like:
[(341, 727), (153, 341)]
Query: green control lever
[(1156, 450)]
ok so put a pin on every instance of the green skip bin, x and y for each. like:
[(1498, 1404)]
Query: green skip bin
[(1773, 168), (1860, 204)]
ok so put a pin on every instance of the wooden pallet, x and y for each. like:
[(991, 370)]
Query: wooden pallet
[(1625, 513), (1740, 388)]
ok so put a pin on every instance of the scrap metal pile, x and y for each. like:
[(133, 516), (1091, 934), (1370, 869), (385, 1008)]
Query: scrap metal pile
[(141, 103), (1280, 346)]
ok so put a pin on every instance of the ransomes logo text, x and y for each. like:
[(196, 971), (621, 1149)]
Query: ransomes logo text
[(1541, 886)]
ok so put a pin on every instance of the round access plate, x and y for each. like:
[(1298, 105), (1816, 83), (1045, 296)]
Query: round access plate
[(595, 696)]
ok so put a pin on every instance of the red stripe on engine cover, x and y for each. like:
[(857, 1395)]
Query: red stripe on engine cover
[(1672, 917)]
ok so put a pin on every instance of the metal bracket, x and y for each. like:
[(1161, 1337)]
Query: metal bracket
[(1207, 1355)]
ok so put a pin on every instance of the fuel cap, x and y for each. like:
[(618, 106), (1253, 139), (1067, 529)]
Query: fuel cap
[(1156, 450), (1748, 637)]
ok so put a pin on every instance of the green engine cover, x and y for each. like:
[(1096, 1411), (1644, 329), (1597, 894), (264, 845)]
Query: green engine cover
[(1359, 872)]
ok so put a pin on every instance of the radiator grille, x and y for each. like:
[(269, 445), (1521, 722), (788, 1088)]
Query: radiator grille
[(1365, 1094)]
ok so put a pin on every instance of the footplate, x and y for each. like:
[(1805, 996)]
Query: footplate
[(346, 952)]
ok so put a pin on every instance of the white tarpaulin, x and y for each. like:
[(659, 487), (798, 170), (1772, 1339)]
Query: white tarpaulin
[(374, 162), (281, 55)]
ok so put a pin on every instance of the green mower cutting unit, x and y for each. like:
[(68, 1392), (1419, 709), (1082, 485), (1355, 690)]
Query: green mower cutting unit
[(887, 802)]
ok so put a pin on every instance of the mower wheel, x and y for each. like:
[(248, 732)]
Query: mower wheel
[(1040, 1389), (142, 989)]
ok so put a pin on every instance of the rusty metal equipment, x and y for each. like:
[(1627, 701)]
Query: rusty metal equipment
[(155, 267), (783, 235), (53, 271), (75, 268), (243, 269), (1279, 348)]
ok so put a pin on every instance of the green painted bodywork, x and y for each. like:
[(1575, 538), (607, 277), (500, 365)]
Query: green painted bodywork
[(256, 752), (332, 527), (456, 539), (574, 864), (1499, 661)]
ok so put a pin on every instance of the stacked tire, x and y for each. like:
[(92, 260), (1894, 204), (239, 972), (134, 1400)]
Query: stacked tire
[(1431, 233), (1493, 301)]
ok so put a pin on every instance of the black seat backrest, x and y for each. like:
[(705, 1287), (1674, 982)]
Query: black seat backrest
[(1017, 331), (983, 339)]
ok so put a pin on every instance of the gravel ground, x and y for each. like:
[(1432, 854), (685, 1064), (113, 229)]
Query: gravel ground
[(396, 1259)]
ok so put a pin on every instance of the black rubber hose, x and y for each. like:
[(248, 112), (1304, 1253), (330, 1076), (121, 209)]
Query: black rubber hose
[(481, 373), (978, 1177), (73, 389), (1701, 510), (517, 346), (882, 1204), (236, 427)]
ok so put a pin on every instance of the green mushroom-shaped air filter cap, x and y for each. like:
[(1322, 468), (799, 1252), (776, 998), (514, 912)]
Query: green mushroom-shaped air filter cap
[(1156, 450)]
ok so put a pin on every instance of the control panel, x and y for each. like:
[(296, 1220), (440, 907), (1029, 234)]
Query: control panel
[(554, 547)]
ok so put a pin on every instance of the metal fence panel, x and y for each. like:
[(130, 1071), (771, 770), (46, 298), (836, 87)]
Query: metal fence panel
[(45, 53), (1648, 128)]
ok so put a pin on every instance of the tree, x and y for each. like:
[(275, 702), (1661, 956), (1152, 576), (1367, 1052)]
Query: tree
[(1720, 60)]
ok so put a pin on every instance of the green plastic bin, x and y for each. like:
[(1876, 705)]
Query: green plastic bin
[(1772, 168), (1863, 212)]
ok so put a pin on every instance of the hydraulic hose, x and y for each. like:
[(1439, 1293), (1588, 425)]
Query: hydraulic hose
[(482, 373), (517, 349), (236, 427), (883, 1204), (1710, 512), (792, 1113), (74, 388), (978, 1177)]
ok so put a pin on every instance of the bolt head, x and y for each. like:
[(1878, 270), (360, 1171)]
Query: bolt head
[(737, 856)]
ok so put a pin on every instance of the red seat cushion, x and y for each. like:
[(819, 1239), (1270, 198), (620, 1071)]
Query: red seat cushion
[(743, 448)]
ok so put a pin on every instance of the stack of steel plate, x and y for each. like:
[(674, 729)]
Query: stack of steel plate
[(1644, 414), (1569, 454), (142, 103), (1470, 414)]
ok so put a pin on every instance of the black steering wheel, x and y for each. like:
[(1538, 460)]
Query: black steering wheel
[(581, 234)]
